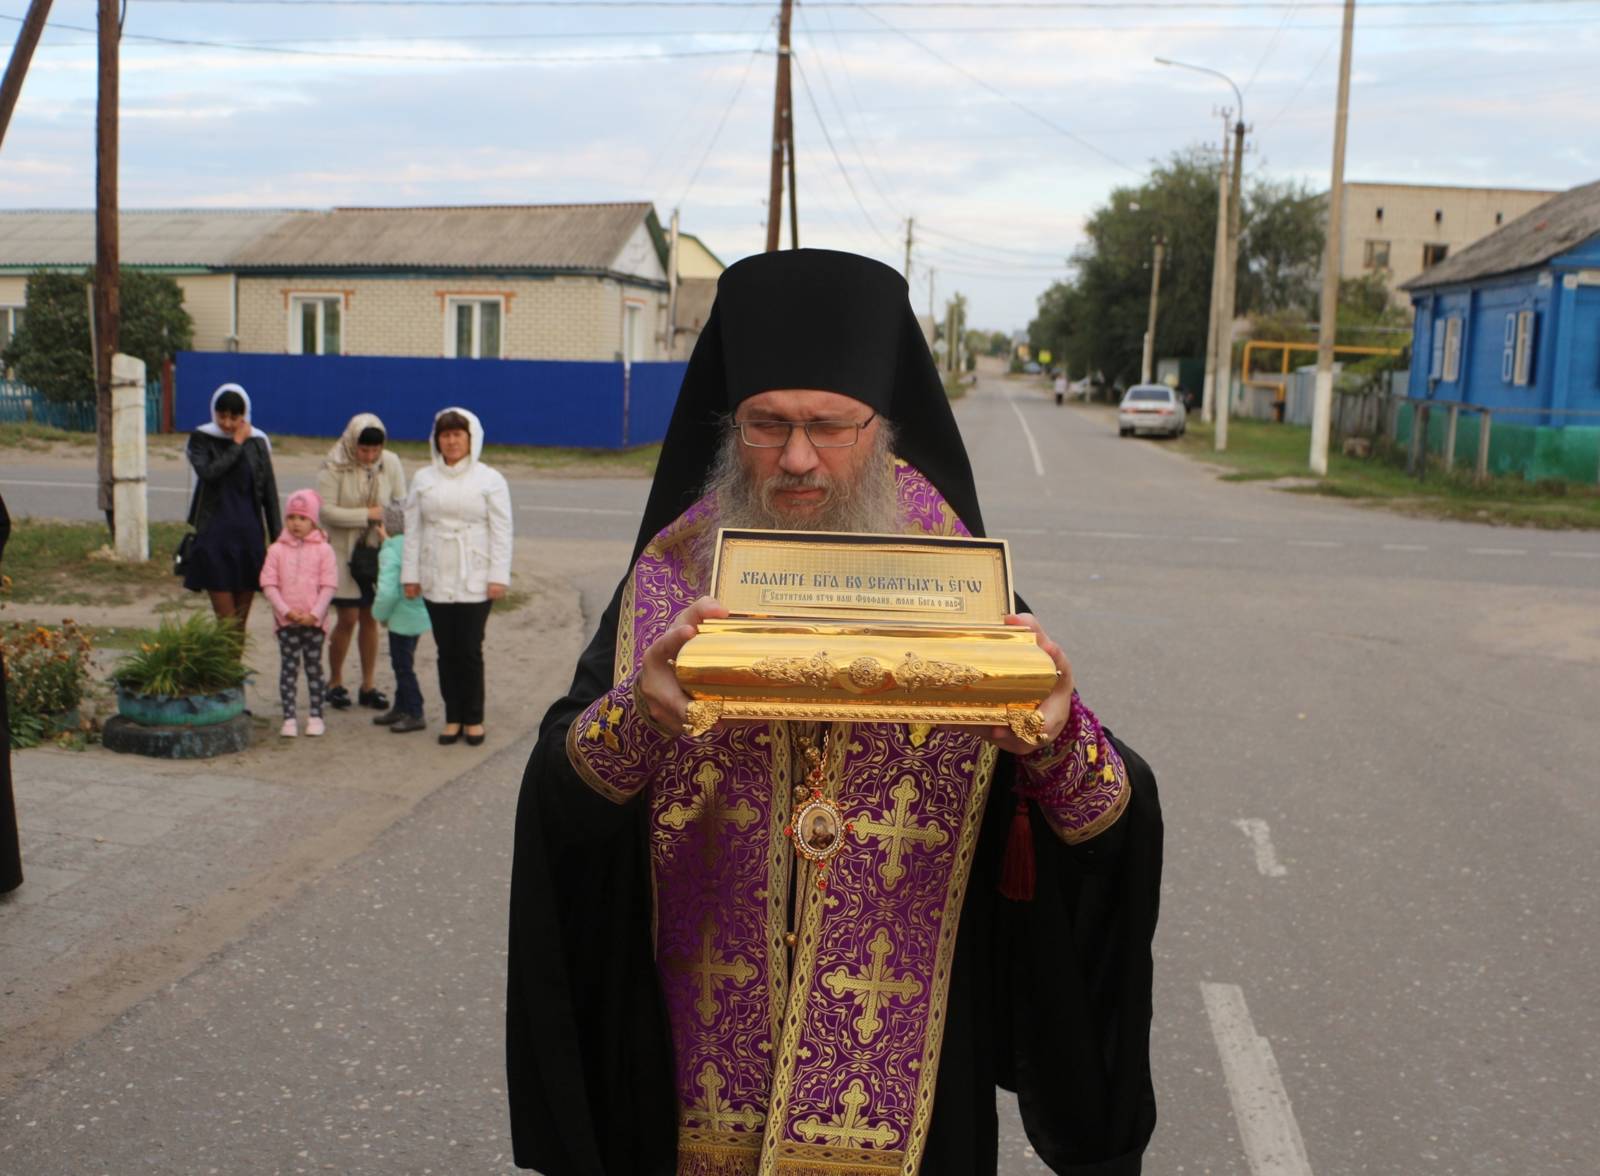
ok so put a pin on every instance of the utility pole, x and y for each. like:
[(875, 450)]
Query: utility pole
[(1327, 328), (782, 133), (107, 297), (794, 196), (1219, 262), (1150, 330), (672, 286), (21, 55), (1230, 279), (910, 221)]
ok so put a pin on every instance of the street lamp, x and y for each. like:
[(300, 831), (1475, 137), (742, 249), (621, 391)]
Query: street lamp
[(1228, 261)]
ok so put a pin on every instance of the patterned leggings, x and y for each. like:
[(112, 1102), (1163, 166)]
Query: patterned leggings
[(296, 642)]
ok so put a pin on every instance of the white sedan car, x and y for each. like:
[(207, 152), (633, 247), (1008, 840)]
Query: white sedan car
[(1151, 408)]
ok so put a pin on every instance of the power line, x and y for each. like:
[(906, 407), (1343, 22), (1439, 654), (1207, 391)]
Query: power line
[(925, 5), (972, 77), (722, 122), (286, 51), (1267, 52), (805, 85), (979, 244)]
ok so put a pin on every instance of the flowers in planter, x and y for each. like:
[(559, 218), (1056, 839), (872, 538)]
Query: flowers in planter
[(47, 675), (199, 655)]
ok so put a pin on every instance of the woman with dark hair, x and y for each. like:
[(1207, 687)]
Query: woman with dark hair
[(234, 510), (358, 479), (458, 559)]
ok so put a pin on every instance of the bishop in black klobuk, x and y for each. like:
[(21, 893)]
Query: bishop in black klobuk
[(690, 993)]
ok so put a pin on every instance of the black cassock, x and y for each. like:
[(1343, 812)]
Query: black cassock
[(1048, 997)]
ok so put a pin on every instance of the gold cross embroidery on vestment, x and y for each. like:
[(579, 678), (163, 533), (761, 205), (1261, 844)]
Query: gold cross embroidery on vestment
[(712, 1113), (710, 810), (850, 1130), (712, 969), (898, 830), (872, 989)]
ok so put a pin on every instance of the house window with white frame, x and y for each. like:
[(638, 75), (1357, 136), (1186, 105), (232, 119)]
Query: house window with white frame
[(1522, 347), (316, 324), (10, 320), (472, 328)]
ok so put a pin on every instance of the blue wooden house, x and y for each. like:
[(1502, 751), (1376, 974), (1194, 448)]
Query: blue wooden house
[(1512, 323)]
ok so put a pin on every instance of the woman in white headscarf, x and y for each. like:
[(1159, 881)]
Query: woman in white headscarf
[(458, 559), (358, 478), (234, 509)]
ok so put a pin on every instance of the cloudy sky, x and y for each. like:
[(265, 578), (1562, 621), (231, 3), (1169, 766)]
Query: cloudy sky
[(998, 126)]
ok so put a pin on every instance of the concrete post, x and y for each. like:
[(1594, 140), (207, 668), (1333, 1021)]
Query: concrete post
[(129, 464), (1450, 438), (1481, 470)]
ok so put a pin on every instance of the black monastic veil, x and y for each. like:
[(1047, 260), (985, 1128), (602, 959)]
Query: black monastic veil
[(1050, 997)]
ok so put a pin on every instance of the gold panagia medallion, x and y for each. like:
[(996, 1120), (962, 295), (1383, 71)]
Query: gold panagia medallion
[(818, 829)]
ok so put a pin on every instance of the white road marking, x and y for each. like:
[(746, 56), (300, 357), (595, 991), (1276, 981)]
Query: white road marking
[(1497, 551), (1314, 543), (1261, 837), (1576, 554), (85, 486), (1267, 1128), (1107, 535), (1033, 446), (1405, 547), (1214, 539), (596, 510)]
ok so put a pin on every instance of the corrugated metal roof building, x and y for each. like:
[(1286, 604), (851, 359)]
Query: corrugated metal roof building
[(553, 281)]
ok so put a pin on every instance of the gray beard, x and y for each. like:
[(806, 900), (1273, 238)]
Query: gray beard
[(869, 503)]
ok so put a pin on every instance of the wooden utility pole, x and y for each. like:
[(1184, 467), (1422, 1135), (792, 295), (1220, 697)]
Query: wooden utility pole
[(1230, 279), (21, 55), (1146, 369), (1219, 262), (1327, 328), (782, 137), (910, 221), (107, 296), (794, 195)]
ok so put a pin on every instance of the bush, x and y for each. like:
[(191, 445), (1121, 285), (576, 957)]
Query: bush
[(47, 673), (200, 655)]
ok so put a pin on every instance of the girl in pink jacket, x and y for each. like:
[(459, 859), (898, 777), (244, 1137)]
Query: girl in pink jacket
[(299, 578)]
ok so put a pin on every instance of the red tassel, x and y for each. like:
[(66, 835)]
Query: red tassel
[(1016, 868)]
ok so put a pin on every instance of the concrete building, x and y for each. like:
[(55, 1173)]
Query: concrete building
[(572, 282), (1401, 230)]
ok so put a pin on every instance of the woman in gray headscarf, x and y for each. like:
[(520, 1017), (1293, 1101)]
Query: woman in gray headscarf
[(358, 479)]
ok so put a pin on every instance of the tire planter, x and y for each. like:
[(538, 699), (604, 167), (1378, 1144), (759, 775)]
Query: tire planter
[(177, 742), (189, 710)]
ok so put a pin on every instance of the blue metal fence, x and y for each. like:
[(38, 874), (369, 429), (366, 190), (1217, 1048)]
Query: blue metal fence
[(20, 404), (521, 402)]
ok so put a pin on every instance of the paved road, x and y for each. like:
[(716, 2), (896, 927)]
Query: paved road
[(1377, 743)]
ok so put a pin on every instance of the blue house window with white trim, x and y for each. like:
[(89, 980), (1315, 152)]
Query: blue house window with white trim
[(1522, 360), (1436, 363), (1508, 356)]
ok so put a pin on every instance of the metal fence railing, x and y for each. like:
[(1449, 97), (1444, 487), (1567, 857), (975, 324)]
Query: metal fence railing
[(20, 404)]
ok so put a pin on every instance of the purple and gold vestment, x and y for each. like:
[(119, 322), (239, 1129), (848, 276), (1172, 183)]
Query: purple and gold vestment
[(806, 1022)]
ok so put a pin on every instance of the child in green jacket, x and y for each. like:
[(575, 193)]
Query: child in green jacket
[(407, 619)]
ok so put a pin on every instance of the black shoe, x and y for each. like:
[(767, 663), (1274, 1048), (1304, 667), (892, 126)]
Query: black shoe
[(339, 698), (376, 699), (447, 740), (404, 723), (388, 718), (476, 740)]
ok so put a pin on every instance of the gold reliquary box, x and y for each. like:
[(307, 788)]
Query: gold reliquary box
[(865, 628)]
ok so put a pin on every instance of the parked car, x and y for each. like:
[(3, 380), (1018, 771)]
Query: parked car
[(1151, 408)]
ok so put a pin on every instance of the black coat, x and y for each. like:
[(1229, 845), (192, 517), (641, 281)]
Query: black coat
[(10, 854), (1050, 998), (213, 459)]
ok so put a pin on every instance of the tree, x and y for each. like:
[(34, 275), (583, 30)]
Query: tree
[(1097, 319), (50, 351), (1000, 344)]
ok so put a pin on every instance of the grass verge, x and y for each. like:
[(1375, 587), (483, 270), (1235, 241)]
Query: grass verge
[(64, 563), (39, 438), (1264, 451)]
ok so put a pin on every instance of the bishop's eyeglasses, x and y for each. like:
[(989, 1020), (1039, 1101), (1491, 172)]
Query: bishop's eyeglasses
[(774, 434)]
